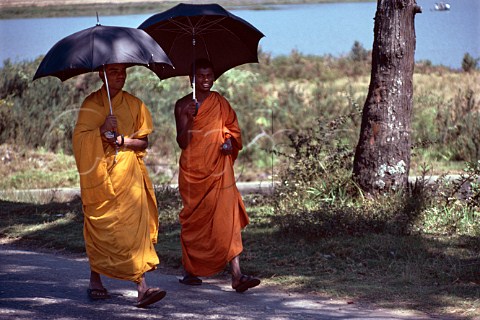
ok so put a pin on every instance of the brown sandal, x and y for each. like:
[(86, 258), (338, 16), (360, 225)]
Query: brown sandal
[(150, 296), (246, 282)]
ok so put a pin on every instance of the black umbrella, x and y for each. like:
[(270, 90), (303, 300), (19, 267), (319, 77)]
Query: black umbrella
[(193, 31), (90, 49), (93, 48)]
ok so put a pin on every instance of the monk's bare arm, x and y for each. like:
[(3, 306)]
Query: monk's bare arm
[(184, 111), (135, 144)]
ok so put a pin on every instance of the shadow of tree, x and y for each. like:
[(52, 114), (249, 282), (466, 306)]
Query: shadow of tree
[(428, 273), (55, 225)]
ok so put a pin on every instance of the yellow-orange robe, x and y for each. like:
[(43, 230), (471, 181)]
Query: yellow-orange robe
[(213, 212), (119, 205)]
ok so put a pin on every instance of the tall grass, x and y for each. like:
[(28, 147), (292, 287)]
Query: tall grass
[(280, 95)]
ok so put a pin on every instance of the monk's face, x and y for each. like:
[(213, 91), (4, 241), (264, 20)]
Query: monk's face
[(204, 79), (116, 76)]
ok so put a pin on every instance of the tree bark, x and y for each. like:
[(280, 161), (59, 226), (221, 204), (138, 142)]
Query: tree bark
[(382, 157)]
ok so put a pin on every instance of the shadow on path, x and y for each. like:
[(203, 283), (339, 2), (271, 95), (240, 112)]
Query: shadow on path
[(37, 285)]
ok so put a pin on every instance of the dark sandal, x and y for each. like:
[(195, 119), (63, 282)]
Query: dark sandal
[(246, 282), (98, 294), (150, 296), (190, 280)]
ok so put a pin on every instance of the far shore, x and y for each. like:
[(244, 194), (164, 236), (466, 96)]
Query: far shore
[(45, 3), (16, 9)]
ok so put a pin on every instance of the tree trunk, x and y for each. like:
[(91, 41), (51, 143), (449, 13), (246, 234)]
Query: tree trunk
[(382, 157)]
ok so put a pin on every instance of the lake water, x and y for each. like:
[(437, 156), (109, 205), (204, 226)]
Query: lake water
[(319, 29)]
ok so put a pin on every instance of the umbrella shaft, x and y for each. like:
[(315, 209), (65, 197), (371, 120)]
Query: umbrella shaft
[(193, 66), (108, 89)]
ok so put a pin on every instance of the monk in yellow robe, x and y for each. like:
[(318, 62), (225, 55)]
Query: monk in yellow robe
[(213, 213), (119, 204)]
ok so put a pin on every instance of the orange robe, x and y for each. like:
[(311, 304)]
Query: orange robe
[(119, 205), (213, 212)]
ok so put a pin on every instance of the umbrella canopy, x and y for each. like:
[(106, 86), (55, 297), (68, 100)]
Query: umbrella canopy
[(90, 49), (193, 31)]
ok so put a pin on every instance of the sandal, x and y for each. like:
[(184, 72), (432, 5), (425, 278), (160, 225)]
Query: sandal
[(190, 280), (150, 296), (246, 282), (98, 294)]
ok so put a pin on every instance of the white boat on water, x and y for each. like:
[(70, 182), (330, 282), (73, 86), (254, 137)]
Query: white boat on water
[(442, 6)]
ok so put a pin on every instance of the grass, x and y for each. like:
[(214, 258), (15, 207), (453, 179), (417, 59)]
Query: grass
[(44, 225), (24, 168)]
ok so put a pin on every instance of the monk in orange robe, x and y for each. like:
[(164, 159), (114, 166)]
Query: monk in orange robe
[(213, 213), (119, 204)]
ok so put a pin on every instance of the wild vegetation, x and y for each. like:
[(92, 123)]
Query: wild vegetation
[(300, 117), (273, 99)]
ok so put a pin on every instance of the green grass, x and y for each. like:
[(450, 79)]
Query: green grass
[(52, 225), (30, 168)]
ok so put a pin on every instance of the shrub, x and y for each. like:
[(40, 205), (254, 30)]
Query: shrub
[(469, 63), (358, 52), (317, 168), (169, 205), (459, 124)]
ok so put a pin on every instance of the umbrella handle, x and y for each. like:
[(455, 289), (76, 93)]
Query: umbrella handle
[(197, 105), (193, 87), (110, 134)]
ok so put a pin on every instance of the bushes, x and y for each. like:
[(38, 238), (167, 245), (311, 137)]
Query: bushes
[(40, 113), (317, 198), (469, 63), (449, 127), (270, 98), (424, 210), (317, 167)]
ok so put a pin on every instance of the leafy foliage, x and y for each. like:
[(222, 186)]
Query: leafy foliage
[(469, 63)]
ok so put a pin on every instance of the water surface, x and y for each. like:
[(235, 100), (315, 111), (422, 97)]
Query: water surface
[(318, 29)]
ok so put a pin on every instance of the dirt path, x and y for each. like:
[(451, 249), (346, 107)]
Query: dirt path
[(36, 285)]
